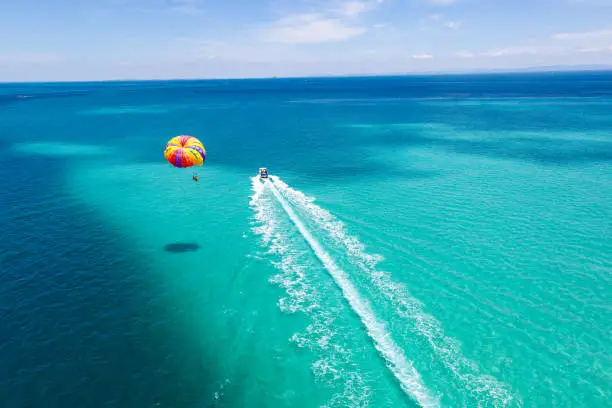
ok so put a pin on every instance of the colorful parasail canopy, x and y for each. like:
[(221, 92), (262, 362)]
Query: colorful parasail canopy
[(185, 151)]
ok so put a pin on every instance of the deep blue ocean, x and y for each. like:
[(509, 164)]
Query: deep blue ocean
[(424, 241)]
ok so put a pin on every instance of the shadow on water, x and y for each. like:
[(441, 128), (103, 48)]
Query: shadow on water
[(81, 321), (179, 247)]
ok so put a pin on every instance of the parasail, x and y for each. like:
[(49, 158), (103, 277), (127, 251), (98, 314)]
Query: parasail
[(185, 151)]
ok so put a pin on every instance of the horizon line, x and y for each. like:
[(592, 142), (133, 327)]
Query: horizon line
[(524, 70)]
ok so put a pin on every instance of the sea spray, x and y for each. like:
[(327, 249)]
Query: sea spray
[(485, 388), (334, 364), (403, 370)]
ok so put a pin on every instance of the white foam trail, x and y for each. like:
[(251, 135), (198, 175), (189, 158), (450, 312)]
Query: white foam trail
[(409, 379), (445, 348), (334, 364)]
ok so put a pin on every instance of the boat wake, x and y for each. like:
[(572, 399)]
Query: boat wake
[(326, 336), (366, 282)]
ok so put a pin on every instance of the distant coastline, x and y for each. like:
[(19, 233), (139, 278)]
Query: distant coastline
[(561, 69)]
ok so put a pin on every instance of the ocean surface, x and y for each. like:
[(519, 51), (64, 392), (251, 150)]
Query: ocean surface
[(425, 241)]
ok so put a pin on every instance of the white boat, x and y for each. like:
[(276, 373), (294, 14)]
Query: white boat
[(263, 173)]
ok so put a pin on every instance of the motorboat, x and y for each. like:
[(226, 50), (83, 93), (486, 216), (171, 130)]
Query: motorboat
[(263, 173)]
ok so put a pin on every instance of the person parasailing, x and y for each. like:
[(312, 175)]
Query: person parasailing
[(185, 151)]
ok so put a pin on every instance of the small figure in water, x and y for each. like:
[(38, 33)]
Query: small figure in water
[(195, 177)]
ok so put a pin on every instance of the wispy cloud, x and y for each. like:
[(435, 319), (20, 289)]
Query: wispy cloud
[(437, 20), (308, 29), (599, 3), (593, 49), (202, 42), (442, 2), (561, 44), (465, 54), (337, 23), (185, 6), (503, 52), (589, 50), (422, 56), (540, 50), (605, 33), (351, 8), (453, 24), (511, 51)]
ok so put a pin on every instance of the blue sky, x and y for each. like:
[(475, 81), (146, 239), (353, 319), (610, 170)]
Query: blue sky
[(146, 39)]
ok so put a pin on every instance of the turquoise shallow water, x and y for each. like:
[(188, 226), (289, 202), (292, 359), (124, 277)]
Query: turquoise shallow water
[(425, 241)]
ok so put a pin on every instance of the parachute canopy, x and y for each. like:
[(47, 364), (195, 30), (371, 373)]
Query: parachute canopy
[(185, 151)]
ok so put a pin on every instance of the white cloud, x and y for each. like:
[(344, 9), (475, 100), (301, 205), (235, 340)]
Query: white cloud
[(453, 24), (198, 41), (422, 56), (589, 49), (511, 51), (557, 46), (599, 3), (351, 8), (593, 49), (584, 35), (465, 54), (308, 29), (328, 25), (543, 49), (184, 6), (173, 3), (436, 20), (442, 2)]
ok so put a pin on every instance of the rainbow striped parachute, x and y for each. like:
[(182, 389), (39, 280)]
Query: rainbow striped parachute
[(185, 151)]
